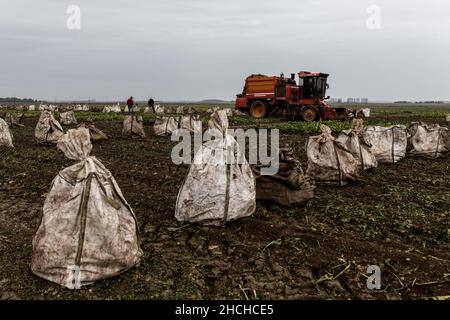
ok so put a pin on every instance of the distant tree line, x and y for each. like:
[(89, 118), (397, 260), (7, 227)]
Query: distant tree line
[(420, 102), (15, 99)]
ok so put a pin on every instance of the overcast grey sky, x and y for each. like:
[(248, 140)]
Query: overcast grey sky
[(197, 49)]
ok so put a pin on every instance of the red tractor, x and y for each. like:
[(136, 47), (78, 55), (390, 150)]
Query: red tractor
[(270, 95)]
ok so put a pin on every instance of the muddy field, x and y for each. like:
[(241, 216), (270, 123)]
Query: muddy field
[(396, 217)]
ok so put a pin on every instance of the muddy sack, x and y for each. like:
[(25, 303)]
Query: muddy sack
[(48, 130), (388, 143), (288, 186), (95, 133), (88, 232), (68, 118), (218, 121), (6, 137), (212, 110), (220, 185), (159, 109), (428, 140), (191, 124), (133, 125), (361, 149), (329, 161), (14, 119), (166, 125)]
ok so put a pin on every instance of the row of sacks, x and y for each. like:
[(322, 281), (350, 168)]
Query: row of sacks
[(15, 119), (48, 130), (80, 107), (32, 107), (113, 108), (117, 109), (53, 108), (189, 110), (229, 111), (89, 232), (339, 160), (217, 190), (49, 107), (158, 109), (168, 125), (179, 109), (133, 125), (95, 235)]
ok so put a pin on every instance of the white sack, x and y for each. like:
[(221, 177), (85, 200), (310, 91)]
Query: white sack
[(180, 109), (191, 124), (329, 161), (428, 140), (133, 125), (388, 143), (217, 188), (166, 125), (48, 130), (159, 109), (6, 137), (361, 150), (68, 118), (14, 119), (88, 232), (96, 134)]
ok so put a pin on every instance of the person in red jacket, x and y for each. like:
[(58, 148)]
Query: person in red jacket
[(130, 104)]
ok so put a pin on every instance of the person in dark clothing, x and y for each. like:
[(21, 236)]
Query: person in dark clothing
[(151, 104), (130, 104)]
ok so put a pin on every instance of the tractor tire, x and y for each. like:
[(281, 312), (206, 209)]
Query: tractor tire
[(309, 114), (258, 110)]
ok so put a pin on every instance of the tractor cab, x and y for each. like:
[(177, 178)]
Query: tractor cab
[(313, 85)]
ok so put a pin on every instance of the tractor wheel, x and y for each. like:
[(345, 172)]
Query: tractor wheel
[(258, 109), (309, 114)]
